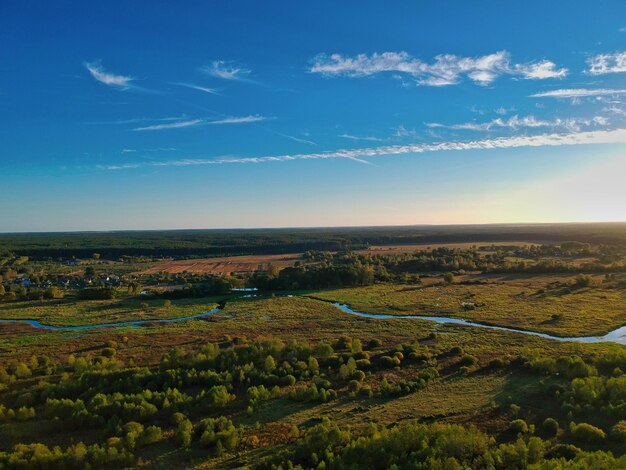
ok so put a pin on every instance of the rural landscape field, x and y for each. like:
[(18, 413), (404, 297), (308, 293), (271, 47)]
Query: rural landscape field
[(280, 235), (320, 358)]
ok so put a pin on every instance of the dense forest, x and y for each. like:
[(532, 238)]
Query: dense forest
[(185, 243)]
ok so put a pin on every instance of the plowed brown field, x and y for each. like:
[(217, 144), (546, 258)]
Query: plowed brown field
[(224, 265)]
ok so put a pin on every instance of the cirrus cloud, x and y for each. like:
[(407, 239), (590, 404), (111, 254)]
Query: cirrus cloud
[(578, 93), (602, 64), (447, 69), (542, 140), (516, 122), (227, 70), (180, 124), (97, 71)]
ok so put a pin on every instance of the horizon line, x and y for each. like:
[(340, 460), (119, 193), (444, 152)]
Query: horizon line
[(318, 227)]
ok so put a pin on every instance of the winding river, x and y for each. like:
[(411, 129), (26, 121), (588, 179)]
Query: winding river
[(616, 336)]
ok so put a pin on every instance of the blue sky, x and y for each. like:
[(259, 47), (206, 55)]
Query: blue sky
[(131, 115)]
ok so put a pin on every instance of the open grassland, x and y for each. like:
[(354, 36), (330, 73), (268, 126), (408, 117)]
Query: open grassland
[(72, 312), (523, 302), (298, 318)]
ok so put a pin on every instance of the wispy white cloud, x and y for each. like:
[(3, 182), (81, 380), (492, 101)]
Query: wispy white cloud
[(369, 138), (97, 71), (541, 140), (541, 70), (578, 93), (616, 110), (227, 70), (139, 120), (447, 69), (602, 64), (402, 131), (172, 125), (179, 123), (517, 122), (239, 120), (212, 91), (300, 140)]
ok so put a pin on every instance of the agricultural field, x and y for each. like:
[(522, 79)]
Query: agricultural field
[(224, 265)]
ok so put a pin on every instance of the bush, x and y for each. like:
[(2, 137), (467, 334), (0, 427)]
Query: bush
[(618, 432), (565, 451), (468, 360), (550, 426), (108, 352), (518, 426), (344, 342), (358, 375), (498, 363), (182, 435), (150, 435), (586, 432), (219, 433), (96, 293), (389, 362)]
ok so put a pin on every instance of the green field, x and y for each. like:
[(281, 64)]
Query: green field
[(517, 303)]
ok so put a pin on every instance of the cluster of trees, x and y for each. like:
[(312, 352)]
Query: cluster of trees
[(15, 292), (192, 395), (319, 277), (433, 446)]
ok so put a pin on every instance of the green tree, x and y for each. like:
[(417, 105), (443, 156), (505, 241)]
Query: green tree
[(182, 436), (270, 364)]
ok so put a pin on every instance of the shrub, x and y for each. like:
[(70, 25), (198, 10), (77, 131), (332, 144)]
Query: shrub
[(219, 433), (344, 342), (388, 361), (618, 432), (182, 435), (150, 435), (468, 360), (586, 432), (565, 451), (358, 375), (498, 363), (108, 352), (550, 426), (96, 293), (518, 426)]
